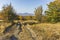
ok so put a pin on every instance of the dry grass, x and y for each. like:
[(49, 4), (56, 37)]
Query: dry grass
[(44, 31), (47, 31)]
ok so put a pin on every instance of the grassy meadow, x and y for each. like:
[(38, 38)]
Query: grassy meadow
[(40, 31)]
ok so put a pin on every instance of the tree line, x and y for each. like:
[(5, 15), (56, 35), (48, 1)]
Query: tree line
[(52, 14)]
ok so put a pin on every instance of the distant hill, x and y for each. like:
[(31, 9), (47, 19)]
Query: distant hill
[(25, 14)]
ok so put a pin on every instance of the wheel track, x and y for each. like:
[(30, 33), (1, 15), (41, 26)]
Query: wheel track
[(31, 32)]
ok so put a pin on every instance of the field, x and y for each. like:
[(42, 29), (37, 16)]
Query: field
[(47, 31), (41, 31)]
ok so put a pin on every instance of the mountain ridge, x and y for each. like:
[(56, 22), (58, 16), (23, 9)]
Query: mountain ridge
[(25, 14)]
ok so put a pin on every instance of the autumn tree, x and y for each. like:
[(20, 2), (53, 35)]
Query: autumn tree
[(38, 13), (53, 12), (9, 13)]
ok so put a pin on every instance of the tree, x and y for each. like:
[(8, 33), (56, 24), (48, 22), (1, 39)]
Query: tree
[(9, 13), (53, 12), (38, 13)]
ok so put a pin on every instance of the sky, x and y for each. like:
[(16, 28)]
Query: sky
[(25, 6)]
